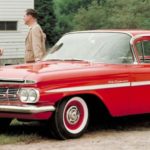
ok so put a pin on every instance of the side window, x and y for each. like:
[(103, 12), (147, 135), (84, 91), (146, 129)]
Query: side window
[(147, 48), (143, 48)]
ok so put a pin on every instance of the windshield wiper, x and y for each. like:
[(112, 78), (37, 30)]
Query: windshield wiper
[(74, 60), (57, 59), (54, 59)]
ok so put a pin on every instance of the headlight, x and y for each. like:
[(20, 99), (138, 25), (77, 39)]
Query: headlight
[(33, 95), (29, 95), (23, 95)]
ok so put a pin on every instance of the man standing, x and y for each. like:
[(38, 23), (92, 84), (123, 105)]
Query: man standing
[(35, 40)]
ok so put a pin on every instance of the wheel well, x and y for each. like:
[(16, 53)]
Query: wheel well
[(97, 110)]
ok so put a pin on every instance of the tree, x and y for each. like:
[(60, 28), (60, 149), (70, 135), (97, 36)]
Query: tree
[(114, 14), (65, 11), (47, 19), (91, 18)]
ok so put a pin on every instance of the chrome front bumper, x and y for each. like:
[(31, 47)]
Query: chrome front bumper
[(26, 109)]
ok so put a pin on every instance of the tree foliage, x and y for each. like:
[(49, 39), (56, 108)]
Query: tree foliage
[(46, 19), (114, 14), (65, 11), (60, 16)]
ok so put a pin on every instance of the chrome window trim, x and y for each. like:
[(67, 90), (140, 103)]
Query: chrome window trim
[(133, 53), (132, 42), (138, 36)]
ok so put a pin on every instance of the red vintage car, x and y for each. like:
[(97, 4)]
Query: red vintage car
[(84, 75)]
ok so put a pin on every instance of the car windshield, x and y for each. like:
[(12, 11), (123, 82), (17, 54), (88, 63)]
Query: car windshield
[(94, 47)]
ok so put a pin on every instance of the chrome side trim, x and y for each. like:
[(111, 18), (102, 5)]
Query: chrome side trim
[(140, 83), (98, 87), (26, 109), (90, 87)]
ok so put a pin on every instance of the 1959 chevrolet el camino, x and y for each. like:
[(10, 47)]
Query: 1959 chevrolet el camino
[(85, 74)]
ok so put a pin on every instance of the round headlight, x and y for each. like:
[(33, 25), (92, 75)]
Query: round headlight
[(33, 95), (23, 95), (29, 95)]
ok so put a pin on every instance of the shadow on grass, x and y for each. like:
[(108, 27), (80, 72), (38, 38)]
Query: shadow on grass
[(28, 128), (130, 123), (31, 132)]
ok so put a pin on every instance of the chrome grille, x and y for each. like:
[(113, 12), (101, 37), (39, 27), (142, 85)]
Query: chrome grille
[(8, 94)]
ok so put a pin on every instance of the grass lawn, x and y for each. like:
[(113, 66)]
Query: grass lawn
[(19, 132)]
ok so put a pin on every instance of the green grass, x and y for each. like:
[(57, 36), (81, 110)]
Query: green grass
[(19, 132), (7, 139)]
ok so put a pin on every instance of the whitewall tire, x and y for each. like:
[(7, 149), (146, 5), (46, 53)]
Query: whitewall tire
[(70, 119)]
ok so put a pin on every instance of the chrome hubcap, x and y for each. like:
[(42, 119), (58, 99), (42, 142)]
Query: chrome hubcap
[(73, 115)]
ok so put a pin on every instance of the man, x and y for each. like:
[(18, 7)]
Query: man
[(1, 51), (35, 40)]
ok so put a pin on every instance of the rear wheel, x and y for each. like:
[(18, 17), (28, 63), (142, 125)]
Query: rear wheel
[(70, 119), (4, 123)]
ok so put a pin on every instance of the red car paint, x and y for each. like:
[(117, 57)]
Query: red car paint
[(123, 88)]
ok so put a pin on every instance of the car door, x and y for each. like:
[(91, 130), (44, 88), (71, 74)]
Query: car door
[(140, 77)]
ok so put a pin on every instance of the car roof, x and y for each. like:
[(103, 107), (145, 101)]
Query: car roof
[(131, 32)]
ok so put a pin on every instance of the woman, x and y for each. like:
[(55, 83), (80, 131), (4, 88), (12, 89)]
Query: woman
[(1, 51)]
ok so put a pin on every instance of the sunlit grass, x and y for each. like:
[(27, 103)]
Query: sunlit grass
[(13, 139)]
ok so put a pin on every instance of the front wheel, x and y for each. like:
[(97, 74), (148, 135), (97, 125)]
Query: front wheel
[(70, 119)]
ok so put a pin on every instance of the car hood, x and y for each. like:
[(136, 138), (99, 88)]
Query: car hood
[(25, 71)]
